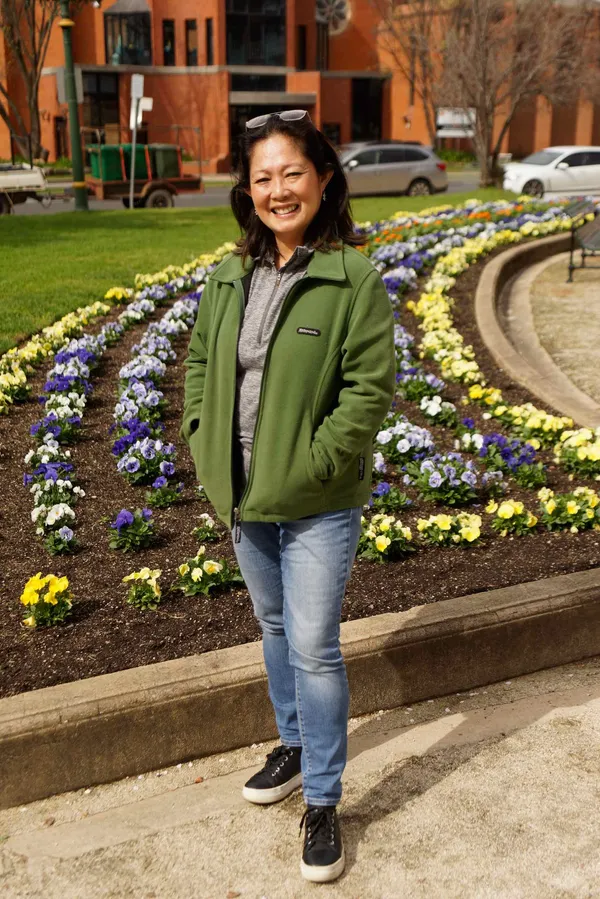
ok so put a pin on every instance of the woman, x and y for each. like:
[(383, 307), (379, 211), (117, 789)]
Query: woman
[(291, 371)]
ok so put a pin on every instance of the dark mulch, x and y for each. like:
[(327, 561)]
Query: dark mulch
[(104, 634)]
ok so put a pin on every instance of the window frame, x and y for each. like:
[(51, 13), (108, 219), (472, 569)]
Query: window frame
[(191, 27), (173, 53)]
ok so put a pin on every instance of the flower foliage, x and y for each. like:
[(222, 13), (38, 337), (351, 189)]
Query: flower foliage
[(576, 511), (48, 599), (200, 575), (144, 592), (450, 530), (384, 539), (131, 530), (511, 517)]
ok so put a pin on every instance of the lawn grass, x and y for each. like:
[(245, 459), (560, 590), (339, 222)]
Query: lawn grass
[(50, 265)]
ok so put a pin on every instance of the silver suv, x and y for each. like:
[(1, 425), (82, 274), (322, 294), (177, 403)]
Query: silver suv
[(391, 167)]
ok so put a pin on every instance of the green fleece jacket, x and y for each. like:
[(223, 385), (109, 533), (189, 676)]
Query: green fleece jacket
[(327, 385)]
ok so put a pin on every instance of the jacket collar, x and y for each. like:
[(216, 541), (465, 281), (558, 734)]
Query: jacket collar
[(325, 266)]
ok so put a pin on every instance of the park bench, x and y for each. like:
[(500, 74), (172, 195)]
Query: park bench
[(585, 235)]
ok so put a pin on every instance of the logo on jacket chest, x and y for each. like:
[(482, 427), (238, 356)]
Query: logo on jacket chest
[(312, 332)]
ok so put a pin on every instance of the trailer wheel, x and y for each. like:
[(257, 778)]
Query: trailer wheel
[(159, 199)]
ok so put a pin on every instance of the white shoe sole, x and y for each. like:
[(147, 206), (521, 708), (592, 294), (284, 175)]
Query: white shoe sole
[(275, 794), (323, 873)]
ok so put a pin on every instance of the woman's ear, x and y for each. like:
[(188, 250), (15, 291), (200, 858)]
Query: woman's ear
[(326, 178)]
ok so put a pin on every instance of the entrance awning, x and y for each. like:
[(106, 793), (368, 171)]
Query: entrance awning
[(126, 7), (271, 98)]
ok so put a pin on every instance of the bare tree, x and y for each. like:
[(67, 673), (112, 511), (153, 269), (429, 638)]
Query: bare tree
[(26, 26), (500, 54), (408, 30)]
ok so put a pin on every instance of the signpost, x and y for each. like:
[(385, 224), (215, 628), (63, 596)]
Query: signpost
[(137, 93)]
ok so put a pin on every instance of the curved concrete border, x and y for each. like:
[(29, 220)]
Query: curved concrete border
[(505, 281), (105, 728)]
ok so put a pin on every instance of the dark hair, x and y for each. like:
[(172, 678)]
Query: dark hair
[(331, 227)]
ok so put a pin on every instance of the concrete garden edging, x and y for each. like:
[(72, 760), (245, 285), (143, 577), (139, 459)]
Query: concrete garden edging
[(105, 728), (502, 288)]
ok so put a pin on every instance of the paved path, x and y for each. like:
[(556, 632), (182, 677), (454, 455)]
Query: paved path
[(566, 318), (492, 793)]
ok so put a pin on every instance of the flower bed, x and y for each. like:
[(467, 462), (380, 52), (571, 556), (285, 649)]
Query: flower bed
[(452, 474)]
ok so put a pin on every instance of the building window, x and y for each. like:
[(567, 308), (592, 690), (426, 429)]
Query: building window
[(256, 32), (322, 47), (367, 106), (127, 39), (301, 47), (168, 42), (101, 106), (209, 43), (191, 42), (258, 83)]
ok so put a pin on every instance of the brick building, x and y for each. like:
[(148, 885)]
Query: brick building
[(211, 65)]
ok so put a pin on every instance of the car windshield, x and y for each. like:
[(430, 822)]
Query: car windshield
[(542, 157)]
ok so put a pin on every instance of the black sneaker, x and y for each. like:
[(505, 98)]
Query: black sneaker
[(323, 858), (280, 776)]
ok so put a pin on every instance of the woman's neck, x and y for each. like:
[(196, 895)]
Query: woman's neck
[(285, 250)]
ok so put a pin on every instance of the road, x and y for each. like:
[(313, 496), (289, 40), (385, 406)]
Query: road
[(215, 195)]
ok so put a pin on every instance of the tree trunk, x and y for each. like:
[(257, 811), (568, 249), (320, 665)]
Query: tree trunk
[(35, 128)]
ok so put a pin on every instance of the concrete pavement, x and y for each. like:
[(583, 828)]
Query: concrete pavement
[(492, 793)]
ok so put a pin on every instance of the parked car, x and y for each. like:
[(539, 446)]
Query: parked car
[(393, 167), (565, 170)]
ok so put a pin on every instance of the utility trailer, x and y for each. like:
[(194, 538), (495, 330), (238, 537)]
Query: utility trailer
[(22, 182), (159, 174)]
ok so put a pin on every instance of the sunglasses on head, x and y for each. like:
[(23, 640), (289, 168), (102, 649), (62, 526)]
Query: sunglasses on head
[(288, 115)]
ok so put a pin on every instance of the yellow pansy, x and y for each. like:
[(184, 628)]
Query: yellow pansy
[(382, 543), (29, 622), (572, 507), (531, 520), (444, 522), (29, 597), (469, 533), (506, 510), (550, 506), (183, 569), (212, 567), (491, 506), (196, 574)]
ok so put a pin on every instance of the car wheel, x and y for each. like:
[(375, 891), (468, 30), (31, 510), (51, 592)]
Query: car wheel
[(159, 199), (534, 188), (419, 188), (5, 205)]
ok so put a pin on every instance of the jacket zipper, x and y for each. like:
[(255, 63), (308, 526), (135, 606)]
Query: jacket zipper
[(237, 512), (267, 308)]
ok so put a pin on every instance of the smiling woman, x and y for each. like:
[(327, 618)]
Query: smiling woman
[(291, 371)]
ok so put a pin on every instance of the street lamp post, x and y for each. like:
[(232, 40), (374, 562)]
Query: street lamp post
[(79, 186)]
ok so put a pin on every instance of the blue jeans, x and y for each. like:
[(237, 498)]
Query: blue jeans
[(296, 572)]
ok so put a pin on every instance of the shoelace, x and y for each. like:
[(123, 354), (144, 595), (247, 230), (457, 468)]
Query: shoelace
[(320, 825), (276, 756)]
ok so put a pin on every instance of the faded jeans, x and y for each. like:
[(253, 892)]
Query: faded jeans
[(296, 572)]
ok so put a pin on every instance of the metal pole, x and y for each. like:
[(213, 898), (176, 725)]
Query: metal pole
[(133, 144), (79, 186)]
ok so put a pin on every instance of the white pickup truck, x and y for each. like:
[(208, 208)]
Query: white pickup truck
[(18, 183)]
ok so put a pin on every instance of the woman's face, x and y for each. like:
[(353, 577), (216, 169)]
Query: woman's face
[(285, 187)]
